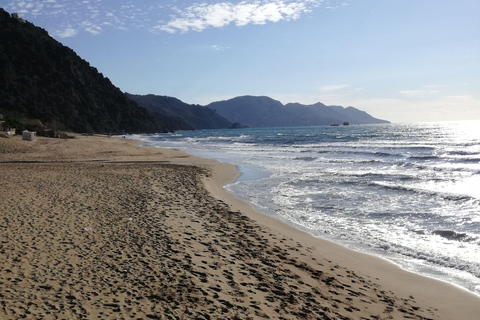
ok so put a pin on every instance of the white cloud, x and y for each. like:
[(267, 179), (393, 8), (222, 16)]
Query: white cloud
[(69, 32), (36, 10), (219, 48), (91, 27), (171, 15), (201, 16)]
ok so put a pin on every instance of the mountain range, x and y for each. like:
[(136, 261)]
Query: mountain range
[(267, 112), (44, 84)]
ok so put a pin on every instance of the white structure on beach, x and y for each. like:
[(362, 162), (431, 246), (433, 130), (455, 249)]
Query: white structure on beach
[(29, 135)]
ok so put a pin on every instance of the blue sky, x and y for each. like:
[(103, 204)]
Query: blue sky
[(399, 60)]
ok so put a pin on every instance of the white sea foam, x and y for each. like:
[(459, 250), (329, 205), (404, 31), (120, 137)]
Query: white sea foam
[(409, 193)]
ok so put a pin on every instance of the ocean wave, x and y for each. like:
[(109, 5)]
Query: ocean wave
[(376, 175), (418, 190), (453, 235), (434, 259), (386, 154), (424, 158), (361, 153), (350, 161), (463, 153), (465, 160), (305, 158)]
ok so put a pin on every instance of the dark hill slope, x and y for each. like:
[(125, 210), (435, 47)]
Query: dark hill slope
[(40, 79), (178, 115), (314, 115)]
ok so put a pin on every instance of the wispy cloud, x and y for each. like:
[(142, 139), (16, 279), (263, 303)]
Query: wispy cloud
[(68, 18), (67, 33), (199, 17), (219, 48), (172, 16)]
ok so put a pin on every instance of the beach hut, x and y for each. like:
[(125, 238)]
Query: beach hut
[(29, 135)]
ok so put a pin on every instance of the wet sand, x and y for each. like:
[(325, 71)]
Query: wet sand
[(99, 228)]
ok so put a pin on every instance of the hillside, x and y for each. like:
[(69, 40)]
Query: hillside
[(253, 111), (320, 114), (44, 84), (267, 112), (177, 115)]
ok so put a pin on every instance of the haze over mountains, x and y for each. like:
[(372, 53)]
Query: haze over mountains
[(44, 84)]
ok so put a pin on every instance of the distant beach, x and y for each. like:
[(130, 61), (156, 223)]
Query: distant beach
[(101, 228)]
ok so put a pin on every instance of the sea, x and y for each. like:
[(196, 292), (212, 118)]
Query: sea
[(409, 193)]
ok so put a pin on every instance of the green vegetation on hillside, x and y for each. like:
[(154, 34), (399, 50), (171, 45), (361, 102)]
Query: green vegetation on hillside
[(178, 115), (45, 84)]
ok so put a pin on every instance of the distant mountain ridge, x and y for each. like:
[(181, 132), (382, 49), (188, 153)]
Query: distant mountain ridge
[(262, 111), (178, 115)]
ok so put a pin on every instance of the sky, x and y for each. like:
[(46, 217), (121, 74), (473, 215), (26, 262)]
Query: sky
[(399, 60)]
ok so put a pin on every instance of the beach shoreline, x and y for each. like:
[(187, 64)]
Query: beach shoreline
[(386, 272), (202, 252)]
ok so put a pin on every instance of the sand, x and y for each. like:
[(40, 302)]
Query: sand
[(100, 228)]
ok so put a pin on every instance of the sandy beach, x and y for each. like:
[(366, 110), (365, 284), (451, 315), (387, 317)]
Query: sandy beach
[(101, 228)]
